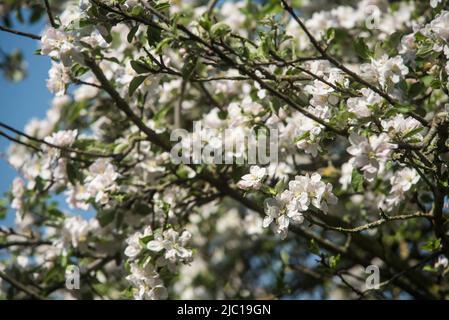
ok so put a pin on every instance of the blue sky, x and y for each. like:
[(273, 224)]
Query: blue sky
[(22, 101)]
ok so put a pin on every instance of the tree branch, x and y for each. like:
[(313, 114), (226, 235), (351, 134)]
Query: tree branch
[(42, 141), (371, 225), (20, 33), (50, 15), (16, 284)]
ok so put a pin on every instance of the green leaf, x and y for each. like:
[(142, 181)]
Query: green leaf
[(429, 268), (153, 35), (411, 133), (285, 257), (403, 108), (416, 89), (105, 217), (392, 43), (72, 173), (330, 34), (135, 83), (55, 213), (79, 70), (160, 115), (362, 49), (279, 186), (425, 49), (223, 114), (427, 80), (303, 136), (137, 11), (357, 181), (140, 67), (56, 274), (219, 30), (163, 44), (432, 245), (162, 6), (205, 22), (146, 239), (132, 33), (334, 261)]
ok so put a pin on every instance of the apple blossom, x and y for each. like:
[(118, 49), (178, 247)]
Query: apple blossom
[(369, 153), (253, 180)]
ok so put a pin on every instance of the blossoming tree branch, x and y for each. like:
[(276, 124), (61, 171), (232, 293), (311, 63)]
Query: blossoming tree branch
[(354, 205)]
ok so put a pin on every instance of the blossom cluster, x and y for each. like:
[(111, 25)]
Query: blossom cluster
[(148, 254), (303, 193)]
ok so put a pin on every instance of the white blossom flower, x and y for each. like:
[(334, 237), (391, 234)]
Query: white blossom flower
[(64, 138), (85, 92), (251, 107), (369, 153), (308, 190), (401, 126), (276, 210), (289, 205), (173, 245), (442, 262), (58, 79), (75, 230), (360, 106), (305, 131), (407, 48), (101, 180), (54, 167), (84, 5), (252, 223), (23, 261), (134, 246), (390, 70), (77, 197), (253, 180), (59, 45), (401, 182), (321, 94), (146, 282), (346, 16), (440, 26), (18, 190), (435, 3), (346, 174)]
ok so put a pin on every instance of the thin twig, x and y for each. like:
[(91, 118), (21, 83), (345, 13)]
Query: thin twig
[(370, 225), (400, 274), (50, 15), (7, 136), (66, 149), (20, 33), (24, 244)]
